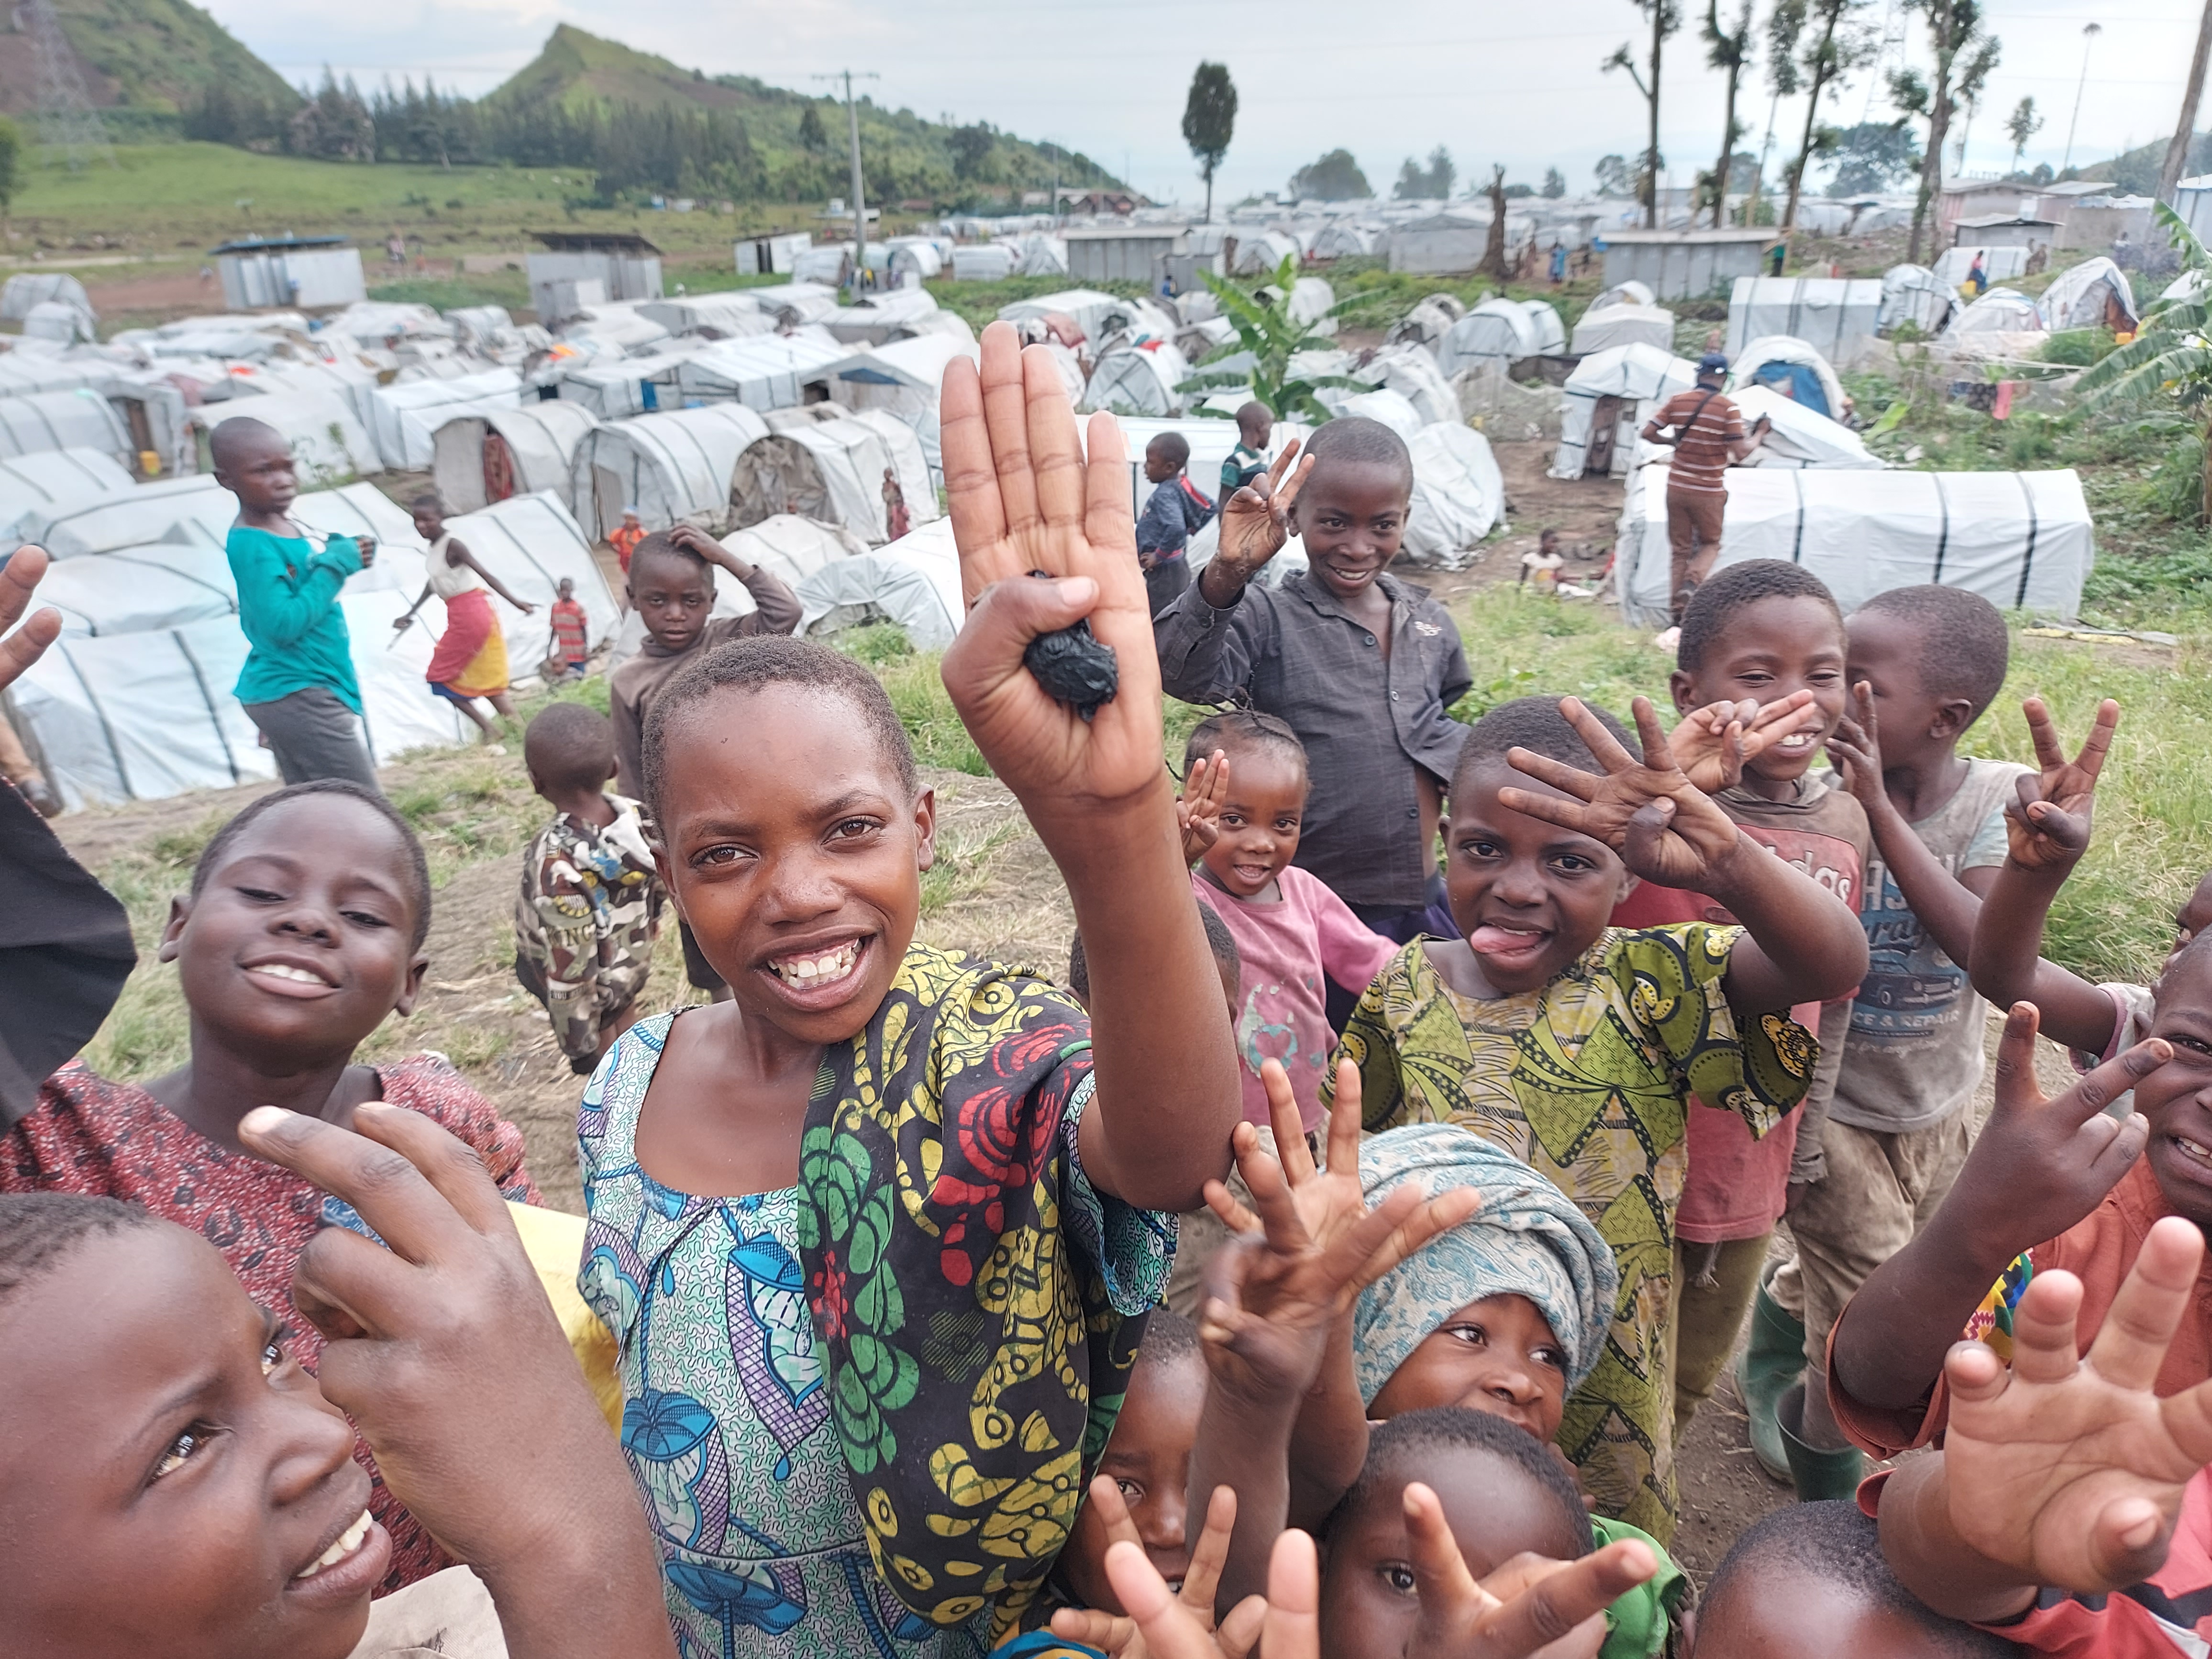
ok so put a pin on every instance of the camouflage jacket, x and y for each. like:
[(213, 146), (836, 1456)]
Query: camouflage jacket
[(586, 919)]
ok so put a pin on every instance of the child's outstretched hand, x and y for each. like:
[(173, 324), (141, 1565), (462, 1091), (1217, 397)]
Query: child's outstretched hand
[(1288, 1621), (1198, 809), (2071, 1473), (19, 581), (1712, 744), (1855, 747), (1022, 499), (1119, 1638), (1255, 521), (2048, 827), (1529, 1607), (1665, 827)]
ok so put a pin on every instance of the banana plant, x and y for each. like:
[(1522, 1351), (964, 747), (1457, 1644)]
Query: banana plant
[(1267, 330), (2170, 359)]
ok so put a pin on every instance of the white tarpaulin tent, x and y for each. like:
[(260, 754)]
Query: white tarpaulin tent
[(2001, 311), (1043, 255), (328, 444), (1790, 366), (1612, 386), (768, 371), (1086, 307), (63, 419), (907, 461), (52, 481), (1458, 495), (1263, 255), (1605, 328), (1496, 328), (1390, 408), (132, 589), (2092, 294), (913, 582), (1953, 263), (29, 289), (480, 459), (1833, 316), (1340, 241), (1916, 294), (189, 508), (615, 388), (993, 262), (1630, 292), (2022, 540), (1551, 332), (1798, 437), (22, 373), (409, 413), (669, 466), (1411, 370), (829, 470), (727, 316), (529, 543), (1139, 381)]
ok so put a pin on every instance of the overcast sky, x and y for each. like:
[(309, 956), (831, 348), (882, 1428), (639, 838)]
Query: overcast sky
[(1495, 82)]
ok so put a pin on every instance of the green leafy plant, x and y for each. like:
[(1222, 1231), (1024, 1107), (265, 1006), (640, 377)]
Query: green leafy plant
[(2170, 359), (1272, 336)]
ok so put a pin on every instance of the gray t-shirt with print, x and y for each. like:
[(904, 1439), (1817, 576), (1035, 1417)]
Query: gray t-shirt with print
[(1915, 1052)]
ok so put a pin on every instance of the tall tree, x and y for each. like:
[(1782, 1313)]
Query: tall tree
[(1963, 53), (1334, 177), (812, 138), (1727, 50), (1665, 17), (1209, 121), (1555, 185), (2177, 148), (1839, 44), (1493, 251), (2023, 124), (1785, 24)]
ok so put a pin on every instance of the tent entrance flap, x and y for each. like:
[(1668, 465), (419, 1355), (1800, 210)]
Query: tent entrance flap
[(1605, 428)]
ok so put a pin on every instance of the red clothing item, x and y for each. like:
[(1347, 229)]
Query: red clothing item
[(2170, 1612), (106, 1140), (624, 541), (2098, 1250), (569, 635)]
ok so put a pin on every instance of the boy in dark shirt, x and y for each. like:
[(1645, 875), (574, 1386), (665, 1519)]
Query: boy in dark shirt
[(1256, 425), (1175, 512)]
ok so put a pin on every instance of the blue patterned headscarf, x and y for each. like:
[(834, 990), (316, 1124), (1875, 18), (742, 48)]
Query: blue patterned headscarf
[(1527, 1239)]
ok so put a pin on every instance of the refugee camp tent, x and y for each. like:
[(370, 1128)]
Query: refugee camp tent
[(1916, 294), (1139, 379), (669, 466), (2094, 293), (1797, 436), (22, 373), (913, 582), (362, 510), (82, 419), (1440, 243), (791, 304), (618, 323), (532, 543), (907, 461), (2022, 540), (1263, 255), (1340, 241), (191, 508), (1953, 263), (615, 388), (914, 260), (1458, 495), (1311, 302), (726, 316), (408, 413), (1431, 318), (1630, 293), (1498, 327), (1391, 408), (30, 288), (52, 481), (1043, 255), (1996, 321), (831, 469), (1609, 328), (1412, 371), (1089, 310), (60, 325), (768, 371), (1551, 332), (901, 380), (136, 588), (994, 262), (1603, 409), (478, 460), (1793, 368), (328, 444), (1831, 315)]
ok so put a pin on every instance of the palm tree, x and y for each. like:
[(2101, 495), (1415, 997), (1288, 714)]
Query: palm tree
[(2170, 359)]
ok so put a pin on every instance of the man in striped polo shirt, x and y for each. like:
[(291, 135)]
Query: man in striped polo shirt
[(1709, 437)]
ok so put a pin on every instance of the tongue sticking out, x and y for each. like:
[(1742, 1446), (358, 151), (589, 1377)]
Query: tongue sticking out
[(1502, 941)]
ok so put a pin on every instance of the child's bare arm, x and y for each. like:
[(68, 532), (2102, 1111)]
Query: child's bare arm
[(455, 550), (1095, 790), (1802, 945)]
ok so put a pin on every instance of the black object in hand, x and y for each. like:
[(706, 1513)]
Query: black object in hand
[(1073, 665)]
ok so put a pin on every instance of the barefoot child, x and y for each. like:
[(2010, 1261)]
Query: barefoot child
[(570, 651), (1577, 1047), (302, 934), (876, 1235), (470, 658), (591, 901)]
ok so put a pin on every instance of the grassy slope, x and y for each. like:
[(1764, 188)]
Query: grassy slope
[(162, 52)]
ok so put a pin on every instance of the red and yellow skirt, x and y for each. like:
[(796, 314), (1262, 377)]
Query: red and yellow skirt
[(470, 660)]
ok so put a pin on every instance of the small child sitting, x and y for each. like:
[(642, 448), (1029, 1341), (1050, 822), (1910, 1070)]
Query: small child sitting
[(1577, 1047), (1175, 513), (302, 934), (571, 644), (591, 901)]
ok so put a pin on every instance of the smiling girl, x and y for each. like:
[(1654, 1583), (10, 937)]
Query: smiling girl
[(302, 932)]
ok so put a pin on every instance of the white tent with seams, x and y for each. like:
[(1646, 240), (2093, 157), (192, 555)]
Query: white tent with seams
[(82, 419), (489, 456), (615, 388), (53, 480), (1496, 328), (1603, 409), (913, 582), (669, 466), (1835, 316), (768, 371), (328, 444), (1602, 328), (408, 413), (830, 469)]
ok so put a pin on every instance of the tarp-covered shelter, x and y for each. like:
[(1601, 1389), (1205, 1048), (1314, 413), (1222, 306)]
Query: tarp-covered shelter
[(2001, 311), (22, 373), (408, 413), (191, 508), (2094, 293), (913, 582), (1458, 495), (1609, 327), (1139, 379), (82, 419), (480, 459), (1498, 327), (1043, 255), (615, 388), (53, 481), (725, 316), (1089, 310), (768, 371), (1439, 244), (993, 262), (1263, 255), (1832, 315), (132, 589), (2022, 540), (28, 288), (1916, 294), (1792, 367), (328, 444), (829, 470), (1630, 292), (909, 463), (1551, 332), (903, 378), (1341, 241), (1412, 371), (1953, 263), (1796, 435), (1600, 416), (668, 466)]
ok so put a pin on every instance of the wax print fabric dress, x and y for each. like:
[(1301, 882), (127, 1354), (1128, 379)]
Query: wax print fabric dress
[(862, 1411), (1588, 1080)]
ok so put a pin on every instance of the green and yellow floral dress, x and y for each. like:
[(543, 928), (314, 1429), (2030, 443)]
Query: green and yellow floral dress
[(1589, 1081), (862, 1411)]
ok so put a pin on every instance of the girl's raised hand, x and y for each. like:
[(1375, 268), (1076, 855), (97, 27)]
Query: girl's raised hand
[(1289, 1621), (1665, 829), (2047, 828), (1198, 809), (1255, 521), (1022, 500), (1119, 1638)]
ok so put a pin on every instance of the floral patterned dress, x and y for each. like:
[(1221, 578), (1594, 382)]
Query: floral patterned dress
[(861, 1410)]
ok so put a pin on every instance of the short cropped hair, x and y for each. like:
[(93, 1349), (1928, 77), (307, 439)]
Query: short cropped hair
[(756, 663), (1461, 1428), (223, 442), (1254, 414), (1965, 646), (1218, 939), (1358, 441), (1731, 588), (1835, 1543), (40, 1230), (418, 865), (429, 499), (1173, 446), (658, 543), (1534, 724), (1169, 1337), (1237, 729), (570, 745)]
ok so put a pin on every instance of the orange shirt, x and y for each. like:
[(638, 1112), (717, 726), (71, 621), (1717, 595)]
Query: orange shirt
[(625, 541)]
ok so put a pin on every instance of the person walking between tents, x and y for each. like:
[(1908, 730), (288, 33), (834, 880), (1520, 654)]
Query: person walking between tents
[(1708, 438), (897, 520), (1977, 277), (470, 660)]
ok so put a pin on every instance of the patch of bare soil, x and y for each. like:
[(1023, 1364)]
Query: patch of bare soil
[(1584, 511)]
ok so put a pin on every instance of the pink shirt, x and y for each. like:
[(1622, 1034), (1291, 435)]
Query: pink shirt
[(1286, 948)]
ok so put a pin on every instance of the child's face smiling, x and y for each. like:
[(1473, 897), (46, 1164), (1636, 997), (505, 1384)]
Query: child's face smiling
[(1351, 515), (1149, 1459), (1498, 1355), (1496, 1511), (1259, 822), (429, 523), (673, 595), (1529, 896), (1767, 650), (2176, 1099), (1915, 724), (301, 940), (169, 1474), (795, 854)]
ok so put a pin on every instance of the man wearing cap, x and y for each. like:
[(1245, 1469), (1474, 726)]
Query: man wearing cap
[(1709, 437)]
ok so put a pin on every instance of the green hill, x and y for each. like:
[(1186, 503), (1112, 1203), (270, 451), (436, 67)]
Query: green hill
[(143, 58)]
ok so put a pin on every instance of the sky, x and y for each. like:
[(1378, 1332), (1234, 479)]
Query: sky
[(1491, 81)]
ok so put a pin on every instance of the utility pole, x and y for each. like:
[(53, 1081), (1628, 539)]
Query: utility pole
[(2177, 148), (2089, 33), (859, 202)]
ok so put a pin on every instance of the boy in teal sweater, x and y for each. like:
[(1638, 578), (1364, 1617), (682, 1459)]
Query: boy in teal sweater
[(298, 683)]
